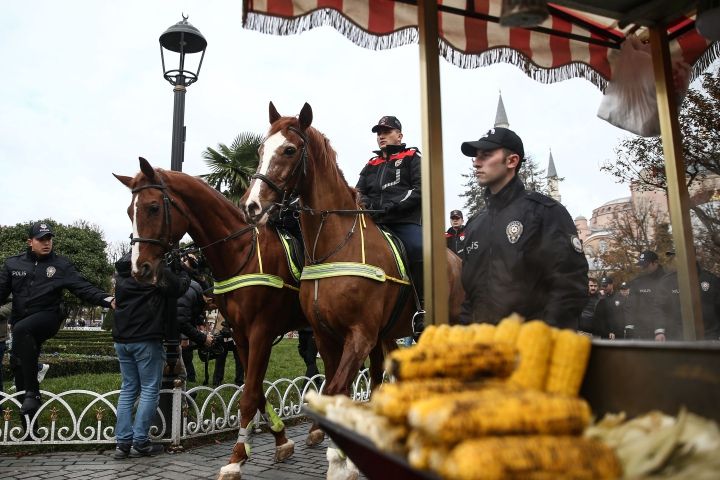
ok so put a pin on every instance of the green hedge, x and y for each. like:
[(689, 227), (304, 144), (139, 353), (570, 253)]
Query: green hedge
[(71, 364)]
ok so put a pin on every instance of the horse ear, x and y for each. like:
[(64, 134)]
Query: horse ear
[(124, 180), (274, 115), (306, 116), (147, 169)]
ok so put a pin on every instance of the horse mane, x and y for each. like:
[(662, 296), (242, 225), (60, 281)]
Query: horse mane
[(323, 152)]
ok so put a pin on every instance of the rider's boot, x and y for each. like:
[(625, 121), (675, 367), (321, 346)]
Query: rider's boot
[(418, 321)]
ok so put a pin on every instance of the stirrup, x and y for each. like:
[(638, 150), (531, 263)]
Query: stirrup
[(418, 322)]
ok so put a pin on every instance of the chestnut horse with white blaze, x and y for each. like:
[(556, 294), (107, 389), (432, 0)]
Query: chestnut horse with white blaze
[(348, 309), (165, 206)]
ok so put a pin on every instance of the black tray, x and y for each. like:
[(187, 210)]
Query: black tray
[(372, 462)]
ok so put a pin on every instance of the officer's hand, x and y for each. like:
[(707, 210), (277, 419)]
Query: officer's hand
[(660, 337), (389, 207), (611, 336), (208, 339)]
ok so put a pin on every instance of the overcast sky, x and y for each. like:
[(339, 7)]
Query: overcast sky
[(83, 96)]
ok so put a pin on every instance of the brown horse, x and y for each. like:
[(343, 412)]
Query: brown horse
[(165, 206), (350, 314)]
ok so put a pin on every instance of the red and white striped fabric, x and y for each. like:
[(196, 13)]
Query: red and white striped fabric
[(568, 44)]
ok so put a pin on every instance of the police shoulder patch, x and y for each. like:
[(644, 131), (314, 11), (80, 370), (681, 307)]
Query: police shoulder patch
[(705, 286), (576, 243)]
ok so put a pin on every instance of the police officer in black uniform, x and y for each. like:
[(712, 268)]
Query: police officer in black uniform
[(36, 280), (390, 182), (522, 252), (455, 235), (644, 319)]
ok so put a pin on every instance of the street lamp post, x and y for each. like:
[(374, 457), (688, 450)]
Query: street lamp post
[(179, 40)]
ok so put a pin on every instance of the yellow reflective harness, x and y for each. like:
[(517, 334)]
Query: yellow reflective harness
[(354, 269), (252, 279)]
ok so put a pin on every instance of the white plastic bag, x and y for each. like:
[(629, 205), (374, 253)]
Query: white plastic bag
[(629, 102)]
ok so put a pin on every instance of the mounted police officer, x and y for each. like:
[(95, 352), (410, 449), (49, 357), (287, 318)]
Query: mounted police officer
[(522, 253), (391, 182), (36, 280)]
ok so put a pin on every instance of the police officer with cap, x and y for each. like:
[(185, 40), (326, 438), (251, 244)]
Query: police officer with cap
[(36, 280), (455, 235), (522, 252), (644, 319), (390, 183)]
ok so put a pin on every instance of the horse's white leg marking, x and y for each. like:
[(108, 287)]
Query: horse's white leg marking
[(271, 145), (135, 246)]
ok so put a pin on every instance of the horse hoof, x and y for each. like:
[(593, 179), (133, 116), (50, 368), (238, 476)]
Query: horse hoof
[(231, 471), (315, 438), (284, 451), (340, 467)]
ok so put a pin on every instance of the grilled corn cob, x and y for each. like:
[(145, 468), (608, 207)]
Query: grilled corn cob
[(434, 333), (482, 332), (534, 344), (568, 363), (393, 400), (498, 411), (531, 457), (462, 360), (508, 329), (425, 454)]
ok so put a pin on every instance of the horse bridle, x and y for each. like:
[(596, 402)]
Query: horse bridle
[(282, 191), (167, 245)]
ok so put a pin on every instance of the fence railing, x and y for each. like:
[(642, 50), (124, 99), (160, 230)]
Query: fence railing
[(87, 417)]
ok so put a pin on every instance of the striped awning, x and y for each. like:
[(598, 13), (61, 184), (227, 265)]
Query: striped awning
[(570, 43)]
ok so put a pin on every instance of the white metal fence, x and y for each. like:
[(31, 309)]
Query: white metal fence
[(87, 417)]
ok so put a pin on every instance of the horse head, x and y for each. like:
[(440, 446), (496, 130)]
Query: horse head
[(156, 228), (283, 160)]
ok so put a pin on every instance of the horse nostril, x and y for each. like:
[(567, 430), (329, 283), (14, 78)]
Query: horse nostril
[(145, 270), (253, 209)]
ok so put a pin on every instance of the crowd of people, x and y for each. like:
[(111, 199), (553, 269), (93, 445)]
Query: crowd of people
[(648, 306)]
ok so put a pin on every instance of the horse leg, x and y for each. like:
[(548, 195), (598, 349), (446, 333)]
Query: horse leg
[(356, 348), (330, 354), (377, 357)]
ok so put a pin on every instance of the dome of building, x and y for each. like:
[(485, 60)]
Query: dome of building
[(617, 200)]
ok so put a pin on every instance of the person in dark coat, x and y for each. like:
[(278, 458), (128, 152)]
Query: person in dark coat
[(669, 300), (190, 315), (645, 319), (36, 279), (587, 316), (455, 235), (610, 310), (390, 183), (522, 253), (138, 332)]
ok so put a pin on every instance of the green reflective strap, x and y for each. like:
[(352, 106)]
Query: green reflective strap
[(295, 270), (342, 269), (251, 279), (398, 258), (276, 424)]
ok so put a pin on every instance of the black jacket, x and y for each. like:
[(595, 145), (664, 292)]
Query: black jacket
[(610, 315), (190, 308), (644, 309), (37, 283), (587, 316), (669, 299), (140, 308), (456, 239), (391, 181), (522, 255)]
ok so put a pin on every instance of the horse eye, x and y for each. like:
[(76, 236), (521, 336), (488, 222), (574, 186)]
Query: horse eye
[(290, 151), (154, 208)]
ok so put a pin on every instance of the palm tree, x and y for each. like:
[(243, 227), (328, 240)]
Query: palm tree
[(231, 167)]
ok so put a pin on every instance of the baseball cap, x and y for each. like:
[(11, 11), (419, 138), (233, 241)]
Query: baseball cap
[(495, 138), (388, 121), (39, 230), (606, 280), (647, 257), (456, 214)]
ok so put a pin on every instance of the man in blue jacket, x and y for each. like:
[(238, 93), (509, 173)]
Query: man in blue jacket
[(36, 279)]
